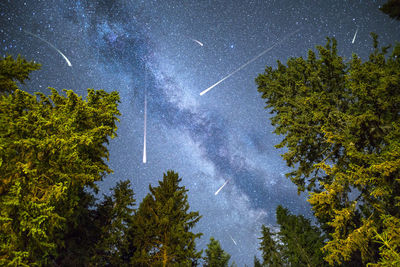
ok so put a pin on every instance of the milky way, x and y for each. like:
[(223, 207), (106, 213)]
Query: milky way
[(134, 46)]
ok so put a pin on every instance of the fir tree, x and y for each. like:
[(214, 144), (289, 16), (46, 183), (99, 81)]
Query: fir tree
[(215, 255), (161, 230)]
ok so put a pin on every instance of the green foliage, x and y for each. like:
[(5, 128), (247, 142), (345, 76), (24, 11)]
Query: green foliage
[(97, 234), (269, 248), (301, 242), (161, 231), (14, 70), (297, 243), (257, 262), (215, 255), (392, 8), (50, 149), (341, 123), (113, 217)]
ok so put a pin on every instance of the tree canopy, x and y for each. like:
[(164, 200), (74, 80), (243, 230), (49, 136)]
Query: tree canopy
[(341, 127)]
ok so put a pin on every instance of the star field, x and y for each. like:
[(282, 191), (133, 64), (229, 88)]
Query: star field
[(133, 46)]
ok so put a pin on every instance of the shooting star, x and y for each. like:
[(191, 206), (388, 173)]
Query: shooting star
[(145, 130), (216, 193), (354, 38), (233, 240), (66, 59), (248, 62), (200, 43), (145, 121)]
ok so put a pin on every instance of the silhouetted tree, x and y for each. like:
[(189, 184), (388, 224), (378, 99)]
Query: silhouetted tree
[(392, 8)]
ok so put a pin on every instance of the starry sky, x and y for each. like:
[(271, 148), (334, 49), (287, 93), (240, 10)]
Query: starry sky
[(148, 48)]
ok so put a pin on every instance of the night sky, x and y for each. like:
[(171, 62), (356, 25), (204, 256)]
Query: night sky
[(149, 48)]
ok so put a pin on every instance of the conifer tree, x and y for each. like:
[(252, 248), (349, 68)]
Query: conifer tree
[(51, 148), (257, 262), (341, 123), (12, 71), (161, 232), (392, 8), (215, 255), (270, 250), (301, 242), (113, 217)]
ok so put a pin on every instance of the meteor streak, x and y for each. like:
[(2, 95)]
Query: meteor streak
[(248, 62), (216, 193), (200, 43), (354, 38), (145, 131), (233, 240), (66, 59)]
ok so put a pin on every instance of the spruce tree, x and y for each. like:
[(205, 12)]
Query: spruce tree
[(341, 122), (112, 217), (392, 8), (161, 232), (301, 242), (257, 262), (51, 148), (269, 248), (215, 255)]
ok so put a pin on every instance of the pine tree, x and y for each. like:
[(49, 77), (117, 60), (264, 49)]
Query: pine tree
[(215, 255), (161, 232), (51, 148), (341, 123)]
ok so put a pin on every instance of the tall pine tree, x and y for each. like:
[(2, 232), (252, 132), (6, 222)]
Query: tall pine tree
[(161, 230)]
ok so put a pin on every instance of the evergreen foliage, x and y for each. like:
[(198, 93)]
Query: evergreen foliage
[(215, 255), (392, 8), (269, 248), (301, 242), (297, 243), (257, 262), (51, 147), (113, 217), (341, 123), (14, 70), (161, 230)]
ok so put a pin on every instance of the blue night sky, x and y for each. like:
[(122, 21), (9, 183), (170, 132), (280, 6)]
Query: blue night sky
[(152, 48)]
